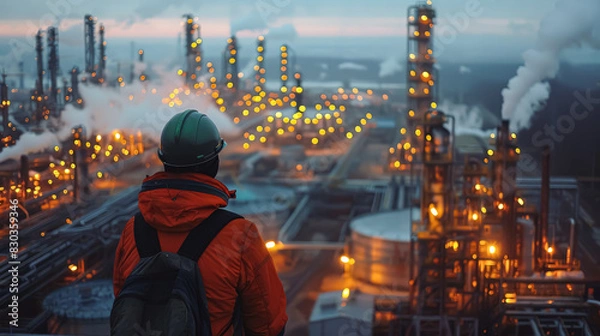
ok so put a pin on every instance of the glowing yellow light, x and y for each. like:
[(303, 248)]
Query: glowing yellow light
[(263, 139), (550, 249), (490, 152), (520, 201), (475, 216), (270, 244), (418, 132), (315, 141), (349, 135), (483, 210), (56, 148), (492, 249), (434, 105), (428, 137), (433, 210), (344, 259), (73, 267), (346, 293), (403, 131), (369, 115)]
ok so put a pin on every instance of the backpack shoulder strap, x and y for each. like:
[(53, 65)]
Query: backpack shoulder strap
[(200, 237), (146, 237)]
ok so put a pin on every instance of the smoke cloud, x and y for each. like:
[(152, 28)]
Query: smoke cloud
[(469, 120), (130, 109), (389, 67), (569, 24), (352, 66)]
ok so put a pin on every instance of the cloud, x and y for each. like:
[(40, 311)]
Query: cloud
[(352, 66), (389, 67), (251, 22), (284, 32)]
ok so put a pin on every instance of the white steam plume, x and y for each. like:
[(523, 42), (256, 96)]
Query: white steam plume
[(570, 23), (389, 67), (127, 109), (468, 119)]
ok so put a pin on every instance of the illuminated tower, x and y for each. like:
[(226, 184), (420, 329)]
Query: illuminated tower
[(4, 105), (230, 63), (284, 67), (420, 66), (504, 177), (259, 68), (143, 77), (193, 50), (38, 95), (102, 55), (90, 44), (53, 68)]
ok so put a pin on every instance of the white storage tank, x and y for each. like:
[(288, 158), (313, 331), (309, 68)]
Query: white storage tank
[(379, 246)]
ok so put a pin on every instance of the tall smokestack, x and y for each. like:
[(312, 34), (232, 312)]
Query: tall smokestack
[(545, 198), (230, 57), (90, 44), (4, 104), (102, 55), (53, 68), (39, 48), (21, 76), (193, 51)]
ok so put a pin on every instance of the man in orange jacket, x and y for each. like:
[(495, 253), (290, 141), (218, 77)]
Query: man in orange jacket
[(236, 267)]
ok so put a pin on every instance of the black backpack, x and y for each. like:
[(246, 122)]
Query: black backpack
[(164, 294)]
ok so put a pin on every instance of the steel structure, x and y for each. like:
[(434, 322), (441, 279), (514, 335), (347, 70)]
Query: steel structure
[(259, 68), (284, 67), (230, 64), (89, 23), (4, 106), (53, 68), (193, 51), (38, 97), (102, 56)]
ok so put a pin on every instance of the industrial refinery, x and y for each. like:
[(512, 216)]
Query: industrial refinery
[(408, 193)]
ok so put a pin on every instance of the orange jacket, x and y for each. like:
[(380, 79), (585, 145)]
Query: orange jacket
[(236, 261)]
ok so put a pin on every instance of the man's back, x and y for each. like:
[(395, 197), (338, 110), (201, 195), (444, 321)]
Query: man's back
[(236, 265)]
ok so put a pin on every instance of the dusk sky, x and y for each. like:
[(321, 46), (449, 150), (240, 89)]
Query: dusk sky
[(472, 30)]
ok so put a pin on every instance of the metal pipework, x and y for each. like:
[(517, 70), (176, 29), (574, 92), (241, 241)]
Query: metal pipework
[(544, 200), (572, 241)]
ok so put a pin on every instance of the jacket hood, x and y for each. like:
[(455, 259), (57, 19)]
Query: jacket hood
[(178, 202)]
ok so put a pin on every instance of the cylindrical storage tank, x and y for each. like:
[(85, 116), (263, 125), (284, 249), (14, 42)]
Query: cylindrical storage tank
[(81, 309), (380, 248)]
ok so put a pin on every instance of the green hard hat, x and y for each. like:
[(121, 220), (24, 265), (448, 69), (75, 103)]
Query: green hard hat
[(189, 139)]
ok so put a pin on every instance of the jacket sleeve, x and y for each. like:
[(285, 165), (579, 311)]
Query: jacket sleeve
[(262, 296), (118, 276)]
